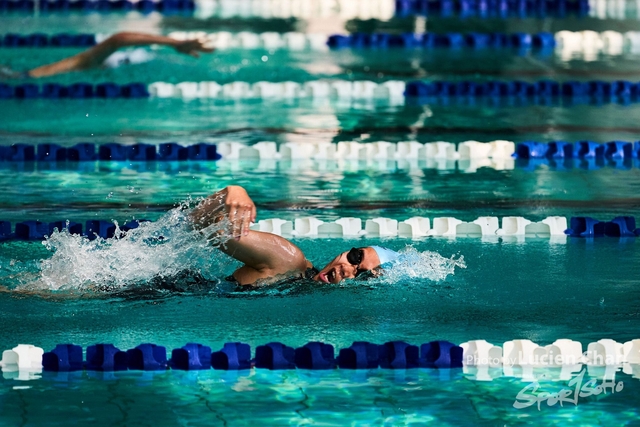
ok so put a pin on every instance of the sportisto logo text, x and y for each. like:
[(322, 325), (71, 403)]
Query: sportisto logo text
[(576, 390)]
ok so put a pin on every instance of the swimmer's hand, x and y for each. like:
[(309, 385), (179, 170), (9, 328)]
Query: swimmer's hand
[(232, 203), (192, 47), (240, 210)]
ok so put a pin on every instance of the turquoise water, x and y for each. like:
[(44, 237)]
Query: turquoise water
[(534, 289), (412, 397), (71, 121), (136, 289), (329, 190)]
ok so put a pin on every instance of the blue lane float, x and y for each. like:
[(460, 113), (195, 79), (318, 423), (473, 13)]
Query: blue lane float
[(132, 225), (360, 355), (447, 40), (618, 149), (114, 152), (31, 230), (36, 230), (18, 153), (171, 151), (531, 149), (275, 356), (110, 90), (143, 6), (622, 226), (398, 355), (142, 153), (51, 153), (315, 355), (618, 91), (74, 91), (71, 227), (86, 152), (63, 358), (26, 91), (202, 152), (233, 356), (559, 149), (492, 8), (440, 354), (579, 150), (100, 228), (191, 357), (43, 40), (105, 357), (82, 152), (272, 356), (147, 357), (584, 226), (5, 231), (589, 149)]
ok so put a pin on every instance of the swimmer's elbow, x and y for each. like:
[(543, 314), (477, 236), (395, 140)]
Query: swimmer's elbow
[(118, 40), (301, 261)]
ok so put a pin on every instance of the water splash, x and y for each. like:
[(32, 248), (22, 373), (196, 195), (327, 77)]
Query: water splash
[(154, 251), (413, 264)]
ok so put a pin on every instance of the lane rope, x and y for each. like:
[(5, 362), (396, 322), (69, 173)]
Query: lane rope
[(474, 355), (565, 43), (343, 150), (555, 228)]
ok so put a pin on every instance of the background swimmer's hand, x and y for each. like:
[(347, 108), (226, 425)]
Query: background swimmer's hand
[(192, 47), (240, 209)]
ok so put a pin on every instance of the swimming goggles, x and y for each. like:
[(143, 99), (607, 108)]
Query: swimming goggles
[(355, 257)]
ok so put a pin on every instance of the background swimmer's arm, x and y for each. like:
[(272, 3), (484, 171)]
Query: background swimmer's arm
[(97, 54)]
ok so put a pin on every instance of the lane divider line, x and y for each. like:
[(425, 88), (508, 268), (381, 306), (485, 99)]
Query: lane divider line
[(474, 356), (489, 227)]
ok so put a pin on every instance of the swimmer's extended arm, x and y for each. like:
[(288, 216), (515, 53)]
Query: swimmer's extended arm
[(97, 54), (264, 254)]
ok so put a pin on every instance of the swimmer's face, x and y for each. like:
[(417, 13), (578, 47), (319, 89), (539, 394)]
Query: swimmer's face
[(348, 265)]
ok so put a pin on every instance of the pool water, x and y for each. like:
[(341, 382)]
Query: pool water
[(326, 189), (534, 289), (171, 290), (389, 398)]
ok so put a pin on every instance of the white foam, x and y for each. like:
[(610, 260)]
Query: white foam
[(413, 264), (163, 248)]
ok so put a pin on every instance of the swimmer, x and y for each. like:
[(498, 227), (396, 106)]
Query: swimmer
[(268, 257), (105, 54)]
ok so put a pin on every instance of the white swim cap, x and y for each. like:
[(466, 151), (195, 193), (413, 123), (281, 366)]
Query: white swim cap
[(385, 255)]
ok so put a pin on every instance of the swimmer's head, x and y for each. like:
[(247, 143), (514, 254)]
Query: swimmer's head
[(351, 264)]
